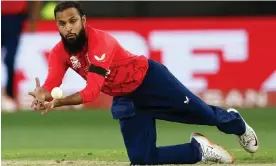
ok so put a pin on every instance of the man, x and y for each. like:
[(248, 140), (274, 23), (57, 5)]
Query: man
[(143, 90)]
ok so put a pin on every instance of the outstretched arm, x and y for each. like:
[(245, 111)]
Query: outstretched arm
[(88, 94), (74, 99), (56, 71)]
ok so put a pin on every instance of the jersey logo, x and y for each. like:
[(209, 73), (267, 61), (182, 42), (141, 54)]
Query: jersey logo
[(187, 100), (75, 62), (100, 58)]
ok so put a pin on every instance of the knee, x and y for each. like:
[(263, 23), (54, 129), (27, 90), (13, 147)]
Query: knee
[(140, 157), (137, 158)]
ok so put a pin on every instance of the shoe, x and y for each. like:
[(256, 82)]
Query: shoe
[(248, 140), (212, 152), (8, 104)]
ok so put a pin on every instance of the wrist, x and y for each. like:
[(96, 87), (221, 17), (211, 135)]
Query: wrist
[(57, 103)]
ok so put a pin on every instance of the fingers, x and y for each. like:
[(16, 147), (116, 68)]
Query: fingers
[(44, 112), (41, 106), (37, 86), (37, 82), (38, 105), (48, 107), (32, 94), (33, 105)]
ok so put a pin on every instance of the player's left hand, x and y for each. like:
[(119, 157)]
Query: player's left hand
[(49, 106)]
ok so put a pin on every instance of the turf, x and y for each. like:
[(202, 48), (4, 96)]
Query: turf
[(94, 135)]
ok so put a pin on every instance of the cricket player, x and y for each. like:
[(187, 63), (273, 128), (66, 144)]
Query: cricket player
[(143, 90)]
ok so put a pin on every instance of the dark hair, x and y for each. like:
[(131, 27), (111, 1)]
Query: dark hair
[(63, 5)]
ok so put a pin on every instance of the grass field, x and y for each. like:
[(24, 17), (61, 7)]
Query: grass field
[(73, 137)]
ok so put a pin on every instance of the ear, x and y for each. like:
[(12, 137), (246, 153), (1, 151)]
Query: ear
[(83, 19)]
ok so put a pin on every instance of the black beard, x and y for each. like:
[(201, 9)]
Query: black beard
[(76, 46)]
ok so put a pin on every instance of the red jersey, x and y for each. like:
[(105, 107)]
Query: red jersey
[(122, 71)]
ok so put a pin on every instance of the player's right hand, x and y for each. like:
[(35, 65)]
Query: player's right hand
[(39, 97)]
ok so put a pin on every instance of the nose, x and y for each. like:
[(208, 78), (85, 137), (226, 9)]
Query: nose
[(68, 28)]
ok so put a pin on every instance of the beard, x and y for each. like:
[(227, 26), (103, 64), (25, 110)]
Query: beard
[(76, 45)]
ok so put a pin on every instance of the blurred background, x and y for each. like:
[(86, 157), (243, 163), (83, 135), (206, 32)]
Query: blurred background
[(223, 51)]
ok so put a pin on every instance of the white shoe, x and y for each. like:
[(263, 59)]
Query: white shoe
[(8, 104), (212, 152), (248, 140)]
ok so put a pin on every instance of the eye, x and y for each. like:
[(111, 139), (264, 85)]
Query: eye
[(61, 23), (73, 21)]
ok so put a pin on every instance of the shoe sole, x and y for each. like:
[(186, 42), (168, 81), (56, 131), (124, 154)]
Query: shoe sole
[(214, 144)]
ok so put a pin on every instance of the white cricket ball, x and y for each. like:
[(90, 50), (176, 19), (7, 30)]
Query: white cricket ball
[(56, 93)]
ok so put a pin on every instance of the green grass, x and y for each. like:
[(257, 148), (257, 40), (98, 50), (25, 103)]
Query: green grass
[(94, 135)]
